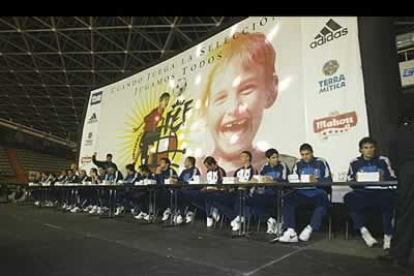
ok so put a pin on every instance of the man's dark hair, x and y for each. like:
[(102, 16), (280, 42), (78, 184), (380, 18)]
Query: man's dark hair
[(209, 160), (270, 152), (367, 140), (70, 171), (166, 160), (248, 154), (144, 168), (130, 167), (165, 95), (192, 160), (94, 170), (109, 155), (306, 146)]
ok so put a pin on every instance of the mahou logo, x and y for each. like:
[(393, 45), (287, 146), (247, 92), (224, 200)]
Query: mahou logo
[(86, 160), (331, 31), (335, 124)]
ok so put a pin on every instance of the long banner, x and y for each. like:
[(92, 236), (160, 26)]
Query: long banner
[(264, 82)]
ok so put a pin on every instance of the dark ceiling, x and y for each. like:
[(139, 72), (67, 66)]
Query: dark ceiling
[(49, 64)]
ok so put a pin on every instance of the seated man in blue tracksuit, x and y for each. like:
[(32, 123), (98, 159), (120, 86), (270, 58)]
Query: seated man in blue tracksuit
[(319, 171), (361, 197), (101, 174), (82, 195), (164, 172), (72, 178), (93, 201), (273, 171), (227, 201), (124, 197), (214, 175), (63, 177), (112, 176), (187, 196), (141, 198)]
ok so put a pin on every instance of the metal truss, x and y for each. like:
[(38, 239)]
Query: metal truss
[(49, 64), (404, 24)]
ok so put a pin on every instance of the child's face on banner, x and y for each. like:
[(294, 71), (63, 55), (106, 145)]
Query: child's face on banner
[(236, 105)]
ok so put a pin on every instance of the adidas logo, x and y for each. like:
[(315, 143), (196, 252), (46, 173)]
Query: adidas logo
[(93, 119), (331, 31)]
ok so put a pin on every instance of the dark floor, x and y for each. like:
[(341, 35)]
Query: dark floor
[(43, 242)]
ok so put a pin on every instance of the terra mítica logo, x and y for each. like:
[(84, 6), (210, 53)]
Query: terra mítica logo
[(330, 67), (332, 82)]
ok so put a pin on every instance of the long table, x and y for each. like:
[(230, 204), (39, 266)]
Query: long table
[(281, 190)]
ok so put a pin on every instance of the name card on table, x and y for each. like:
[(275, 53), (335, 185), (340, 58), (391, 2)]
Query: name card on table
[(229, 180), (258, 177), (305, 178), (371, 177), (368, 177), (149, 182), (196, 179), (293, 178), (243, 179)]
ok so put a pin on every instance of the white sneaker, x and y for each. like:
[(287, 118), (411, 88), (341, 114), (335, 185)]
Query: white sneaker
[(178, 219), (100, 211), (69, 207), (64, 206), (236, 226), (189, 217), (119, 210), (37, 203), (215, 214), (134, 212), (166, 214), (88, 208), (289, 236), (387, 242), (141, 215), (148, 217), (236, 220), (75, 210), (306, 233), (366, 235), (271, 226), (236, 223), (94, 210), (210, 222)]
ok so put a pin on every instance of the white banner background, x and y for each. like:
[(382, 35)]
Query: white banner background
[(287, 124)]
